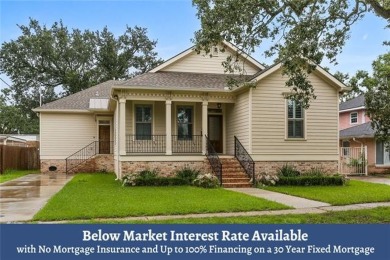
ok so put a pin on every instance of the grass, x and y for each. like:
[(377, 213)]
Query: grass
[(13, 174), (352, 193), (363, 216), (89, 196)]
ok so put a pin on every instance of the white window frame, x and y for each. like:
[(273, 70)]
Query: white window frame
[(350, 118), (151, 105), (288, 119)]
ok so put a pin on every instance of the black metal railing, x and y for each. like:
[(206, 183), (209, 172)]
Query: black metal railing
[(186, 144), (145, 143), (215, 162), (87, 152), (245, 159)]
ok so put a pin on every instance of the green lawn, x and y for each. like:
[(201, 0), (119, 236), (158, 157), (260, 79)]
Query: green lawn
[(89, 196), (13, 174), (352, 193), (364, 216)]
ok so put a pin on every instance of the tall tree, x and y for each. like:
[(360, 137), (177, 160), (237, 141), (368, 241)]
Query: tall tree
[(45, 63), (303, 32), (378, 97)]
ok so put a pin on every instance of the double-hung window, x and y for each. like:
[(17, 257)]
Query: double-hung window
[(184, 122), (354, 117), (143, 122), (295, 119)]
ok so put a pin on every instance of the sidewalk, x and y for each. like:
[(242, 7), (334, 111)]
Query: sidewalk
[(373, 179)]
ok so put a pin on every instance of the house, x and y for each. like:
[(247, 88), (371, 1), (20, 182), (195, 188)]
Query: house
[(182, 110), (356, 132)]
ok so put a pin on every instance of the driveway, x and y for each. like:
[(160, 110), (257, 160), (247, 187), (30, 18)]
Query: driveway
[(21, 198)]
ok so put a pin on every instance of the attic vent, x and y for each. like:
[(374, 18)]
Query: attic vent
[(215, 51), (98, 103)]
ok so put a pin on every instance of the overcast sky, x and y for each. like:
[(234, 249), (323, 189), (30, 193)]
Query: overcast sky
[(171, 22)]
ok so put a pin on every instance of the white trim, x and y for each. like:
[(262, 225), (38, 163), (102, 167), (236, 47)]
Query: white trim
[(352, 109), (191, 50), (286, 138), (250, 120), (357, 118), (83, 111)]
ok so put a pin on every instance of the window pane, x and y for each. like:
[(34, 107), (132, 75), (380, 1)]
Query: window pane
[(147, 114), (298, 111), (354, 117), (298, 128), (290, 128), (290, 109), (143, 131), (184, 122), (138, 114)]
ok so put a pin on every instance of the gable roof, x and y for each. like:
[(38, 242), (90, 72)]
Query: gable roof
[(191, 50), (80, 100), (359, 131), (178, 81), (357, 102)]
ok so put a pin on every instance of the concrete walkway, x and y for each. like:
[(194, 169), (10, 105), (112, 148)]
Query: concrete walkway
[(22, 198), (292, 201)]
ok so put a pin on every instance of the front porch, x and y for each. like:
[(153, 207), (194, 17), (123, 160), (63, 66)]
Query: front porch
[(161, 123)]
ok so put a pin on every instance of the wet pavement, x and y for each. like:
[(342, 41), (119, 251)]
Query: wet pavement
[(22, 198)]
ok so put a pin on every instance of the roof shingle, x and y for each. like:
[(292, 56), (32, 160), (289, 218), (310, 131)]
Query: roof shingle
[(356, 102), (359, 131)]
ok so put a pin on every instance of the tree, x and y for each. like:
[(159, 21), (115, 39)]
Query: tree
[(303, 32), (45, 63), (378, 97), (14, 121)]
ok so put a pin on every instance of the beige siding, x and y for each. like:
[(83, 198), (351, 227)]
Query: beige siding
[(199, 63), (158, 110), (65, 134), (237, 116), (269, 121), (159, 118), (129, 118)]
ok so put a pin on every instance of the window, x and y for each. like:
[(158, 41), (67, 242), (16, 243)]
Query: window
[(345, 147), (295, 120), (143, 122), (215, 51), (354, 117), (184, 123), (382, 154)]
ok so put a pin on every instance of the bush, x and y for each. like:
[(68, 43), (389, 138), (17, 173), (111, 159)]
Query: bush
[(317, 171), (288, 171), (187, 174), (267, 180), (207, 180), (336, 180), (160, 181), (130, 179), (148, 174)]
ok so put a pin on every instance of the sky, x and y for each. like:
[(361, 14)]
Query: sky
[(172, 23)]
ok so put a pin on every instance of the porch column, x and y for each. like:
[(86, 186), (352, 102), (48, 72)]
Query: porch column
[(168, 126), (122, 126), (204, 126)]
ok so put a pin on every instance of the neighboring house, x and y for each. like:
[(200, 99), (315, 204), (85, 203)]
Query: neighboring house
[(356, 131), (12, 140), (160, 119)]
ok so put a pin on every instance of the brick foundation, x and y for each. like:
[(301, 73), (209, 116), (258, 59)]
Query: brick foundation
[(102, 162), (164, 169), (271, 168)]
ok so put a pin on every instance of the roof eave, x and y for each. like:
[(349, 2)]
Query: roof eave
[(170, 89)]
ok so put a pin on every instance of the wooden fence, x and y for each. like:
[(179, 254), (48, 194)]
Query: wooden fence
[(18, 158)]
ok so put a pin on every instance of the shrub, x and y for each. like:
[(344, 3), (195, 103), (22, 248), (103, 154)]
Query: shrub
[(288, 171), (130, 179), (207, 180), (147, 174), (317, 171), (337, 180), (267, 180), (187, 174), (160, 181)]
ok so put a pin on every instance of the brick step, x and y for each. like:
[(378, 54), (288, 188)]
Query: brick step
[(235, 180), (234, 175), (236, 168), (236, 185)]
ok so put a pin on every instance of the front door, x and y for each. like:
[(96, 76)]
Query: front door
[(104, 139), (215, 132)]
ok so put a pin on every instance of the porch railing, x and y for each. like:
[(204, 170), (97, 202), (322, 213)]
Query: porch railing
[(245, 159), (215, 162), (145, 143), (186, 144), (87, 152)]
